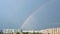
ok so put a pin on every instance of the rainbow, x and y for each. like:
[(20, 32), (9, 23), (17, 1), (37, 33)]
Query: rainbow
[(34, 12)]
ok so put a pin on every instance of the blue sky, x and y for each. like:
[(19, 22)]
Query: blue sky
[(13, 12)]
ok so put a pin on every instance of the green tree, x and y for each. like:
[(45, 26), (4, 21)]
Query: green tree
[(27, 32), (34, 33), (23, 32), (40, 33), (17, 33), (1, 32), (12, 33)]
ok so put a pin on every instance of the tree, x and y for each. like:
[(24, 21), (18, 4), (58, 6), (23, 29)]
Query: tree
[(48, 33), (27, 32), (34, 33), (23, 32), (1, 32), (17, 33), (40, 33), (12, 32)]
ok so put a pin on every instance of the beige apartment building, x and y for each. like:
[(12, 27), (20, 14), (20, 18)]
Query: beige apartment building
[(51, 31), (45, 31)]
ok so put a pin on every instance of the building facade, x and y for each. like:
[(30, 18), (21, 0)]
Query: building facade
[(51, 31), (11, 31), (45, 31)]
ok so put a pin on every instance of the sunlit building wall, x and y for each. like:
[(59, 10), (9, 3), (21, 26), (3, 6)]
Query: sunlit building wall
[(51, 31), (45, 31)]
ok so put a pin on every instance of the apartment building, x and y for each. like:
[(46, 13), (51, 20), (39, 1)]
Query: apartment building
[(51, 31), (10, 31), (45, 31)]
